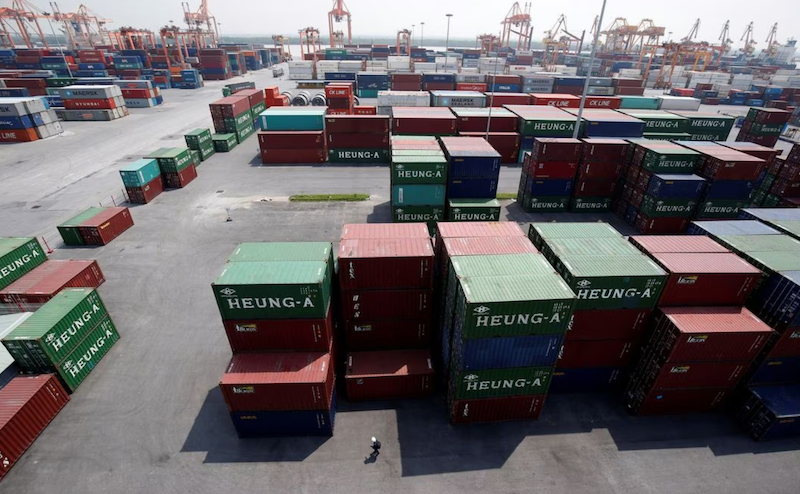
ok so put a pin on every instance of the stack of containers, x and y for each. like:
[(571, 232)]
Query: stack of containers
[(599, 171), (68, 336), (142, 180), (92, 103), (340, 99), (273, 97), (763, 126), (786, 188), (388, 100), (369, 83), (292, 135), (387, 307), (96, 226), (772, 166), (200, 140), (617, 288), (706, 126), (659, 192), (731, 175), (485, 342), (300, 70), (504, 83), (275, 303), (473, 174), (502, 125), (569, 85), (541, 121), (357, 138), (18, 256), (140, 94), (661, 125), (423, 121), (438, 81), (48, 279), (418, 180), (458, 99), (177, 166), (232, 115), (548, 174), (27, 119), (256, 100), (537, 84)]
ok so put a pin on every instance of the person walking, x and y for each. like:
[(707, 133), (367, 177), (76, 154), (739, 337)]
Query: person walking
[(376, 447)]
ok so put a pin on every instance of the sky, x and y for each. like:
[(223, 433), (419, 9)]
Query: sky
[(470, 17)]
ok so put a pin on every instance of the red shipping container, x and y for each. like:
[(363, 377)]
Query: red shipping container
[(254, 96), (385, 230), (608, 170), (406, 86), (304, 139), (581, 354), (386, 263), (557, 100), (144, 195), (498, 100), (284, 334), (358, 141), (694, 375), (594, 187), (503, 79), (708, 334), (339, 91), (278, 381), (370, 305), (181, 179), (46, 280), (622, 324), (471, 86), (338, 112), (735, 169), (438, 86), (629, 91), (285, 156), (271, 92), (607, 102), (787, 344), (138, 93), (474, 246), (645, 224), (706, 279), (424, 124), (27, 405), (106, 226), (90, 104), (498, 140), (556, 149), (674, 244), (604, 150), (30, 83), (476, 229), (627, 82), (365, 110), (358, 124), (230, 107), (677, 401), (387, 334), (573, 90), (389, 375), (407, 78), (18, 135), (496, 409), (499, 123), (550, 169)]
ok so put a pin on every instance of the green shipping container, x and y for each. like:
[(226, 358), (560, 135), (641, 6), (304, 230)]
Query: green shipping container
[(69, 229), (358, 156), (773, 262), (590, 204), (208, 151), (549, 127), (613, 282), (140, 172), (418, 195), (495, 383), (555, 248), (707, 123), (282, 251), (667, 137), (61, 81), (223, 143), (790, 227), (759, 243), (87, 354), (417, 214), (496, 306), (244, 133), (539, 233), (661, 122), (174, 160), (416, 152), (196, 158), (473, 210), (675, 161), (709, 136), (18, 256), (198, 138), (239, 122), (765, 129), (719, 209), (45, 338), (545, 204), (256, 109), (638, 103), (274, 290), (667, 208), (409, 170)]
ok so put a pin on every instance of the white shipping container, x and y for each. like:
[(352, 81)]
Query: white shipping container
[(630, 73), (404, 98), (679, 103), (471, 72), (301, 63)]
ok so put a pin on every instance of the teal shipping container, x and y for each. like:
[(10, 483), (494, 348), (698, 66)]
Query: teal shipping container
[(293, 118), (140, 172), (638, 103), (418, 195)]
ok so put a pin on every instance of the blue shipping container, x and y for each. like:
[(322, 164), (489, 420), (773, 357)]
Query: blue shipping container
[(769, 214), (340, 76), (773, 412), (438, 78), (584, 380), (570, 81), (418, 195), (675, 186), (503, 353), (472, 188), (728, 189), (630, 215), (22, 122), (776, 371), (285, 423), (777, 303), (505, 88), (612, 128), (550, 187), (478, 167)]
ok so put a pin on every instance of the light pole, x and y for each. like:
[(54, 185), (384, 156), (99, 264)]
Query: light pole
[(589, 75), (669, 37), (422, 35), (447, 40), (412, 35), (48, 14)]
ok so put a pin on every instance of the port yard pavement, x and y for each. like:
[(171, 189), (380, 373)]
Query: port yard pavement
[(151, 420)]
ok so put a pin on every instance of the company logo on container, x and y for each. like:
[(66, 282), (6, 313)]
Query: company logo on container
[(584, 283), (683, 369), (687, 280), (244, 390), (17, 263), (481, 310), (227, 292), (697, 338)]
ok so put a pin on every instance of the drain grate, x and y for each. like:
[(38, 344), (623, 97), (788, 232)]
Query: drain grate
[(220, 191), (36, 207)]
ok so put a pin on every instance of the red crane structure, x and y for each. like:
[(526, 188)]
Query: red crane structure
[(202, 24), (309, 42), (403, 39), (487, 43), (84, 28), (337, 14), (517, 22), (18, 21)]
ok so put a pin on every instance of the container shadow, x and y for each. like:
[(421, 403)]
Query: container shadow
[(381, 213), (213, 433)]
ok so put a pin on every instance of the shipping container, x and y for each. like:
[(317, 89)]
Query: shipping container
[(386, 263), (771, 412), (666, 244), (384, 230), (678, 401), (389, 375), (146, 193), (18, 256), (706, 279), (776, 370), (49, 278), (391, 334), (588, 380), (140, 172), (495, 383), (85, 357), (501, 353), (105, 226), (596, 353), (624, 324), (370, 304), (271, 423), (259, 335), (496, 409)]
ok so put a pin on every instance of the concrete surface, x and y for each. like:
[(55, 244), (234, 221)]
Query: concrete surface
[(150, 418)]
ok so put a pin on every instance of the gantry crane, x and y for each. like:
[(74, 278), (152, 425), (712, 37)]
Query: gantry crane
[(772, 42), (692, 32), (202, 25), (487, 43), (130, 38), (517, 21), (337, 14), (749, 41), (25, 16), (647, 38), (555, 45), (619, 36), (404, 39), (181, 45), (725, 40), (283, 46), (83, 28), (309, 42)]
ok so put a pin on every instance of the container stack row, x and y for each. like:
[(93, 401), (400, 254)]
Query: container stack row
[(177, 166), (473, 173), (275, 303), (142, 180), (358, 138), (200, 142), (763, 126), (386, 281), (235, 114), (617, 288), (292, 135), (548, 174), (702, 342), (140, 93), (341, 100), (27, 119), (598, 174), (503, 314), (95, 102), (772, 176), (418, 173), (784, 175), (500, 130), (46, 280)]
